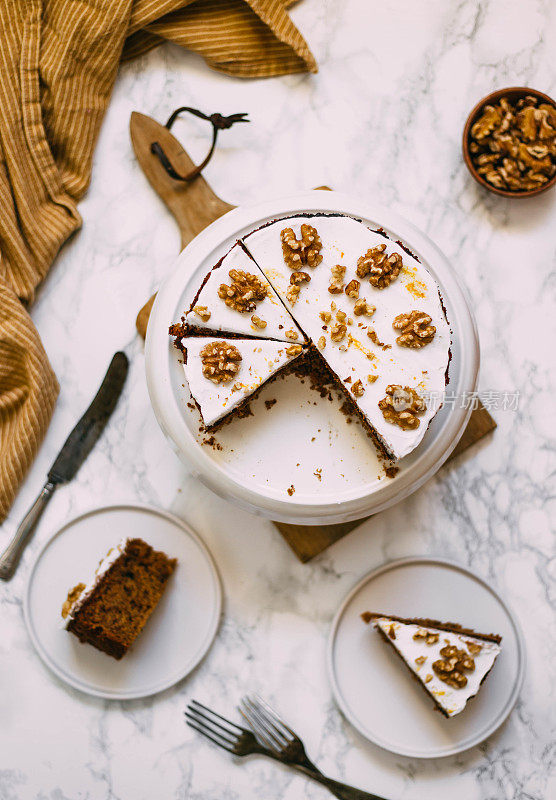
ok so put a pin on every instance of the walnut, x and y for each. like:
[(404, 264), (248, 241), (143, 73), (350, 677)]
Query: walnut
[(202, 312), (352, 289), (392, 632), (416, 329), (381, 268), (300, 277), (341, 316), (428, 678), (321, 343), (362, 307), (294, 350), (513, 145), (420, 634), (258, 322), (338, 332), (474, 648), (291, 334), (373, 336), (296, 279), (301, 251), (337, 284), (420, 660), (221, 361), (402, 407), (452, 666), (432, 638), (245, 292), (358, 389), (73, 596), (372, 378), (326, 316)]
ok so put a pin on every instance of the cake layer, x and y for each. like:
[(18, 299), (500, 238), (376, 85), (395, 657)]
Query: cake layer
[(450, 662), (223, 373), (112, 609), (237, 298), (334, 307)]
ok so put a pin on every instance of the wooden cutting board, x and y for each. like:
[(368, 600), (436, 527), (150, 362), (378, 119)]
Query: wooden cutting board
[(194, 206)]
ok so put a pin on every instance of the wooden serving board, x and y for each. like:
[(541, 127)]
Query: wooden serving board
[(194, 206)]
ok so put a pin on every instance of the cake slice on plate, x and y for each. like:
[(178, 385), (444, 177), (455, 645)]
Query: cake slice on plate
[(449, 661), (225, 374), (373, 311), (112, 609), (235, 297)]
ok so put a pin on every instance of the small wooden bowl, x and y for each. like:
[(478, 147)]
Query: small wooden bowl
[(513, 93)]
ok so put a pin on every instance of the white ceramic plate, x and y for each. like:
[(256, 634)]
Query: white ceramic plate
[(377, 693), (302, 440), (176, 637)]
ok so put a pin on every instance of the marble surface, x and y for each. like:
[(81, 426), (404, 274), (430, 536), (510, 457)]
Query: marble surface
[(383, 120)]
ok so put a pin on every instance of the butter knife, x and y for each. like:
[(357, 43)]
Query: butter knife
[(77, 447)]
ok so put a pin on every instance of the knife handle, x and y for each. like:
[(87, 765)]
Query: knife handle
[(11, 555)]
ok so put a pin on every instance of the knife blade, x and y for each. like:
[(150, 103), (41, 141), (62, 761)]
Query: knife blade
[(86, 433), (76, 448)]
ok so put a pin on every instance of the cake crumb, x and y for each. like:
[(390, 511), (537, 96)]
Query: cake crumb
[(318, 473), (211, 442), (291, 490), (270, 403), (391, 472)]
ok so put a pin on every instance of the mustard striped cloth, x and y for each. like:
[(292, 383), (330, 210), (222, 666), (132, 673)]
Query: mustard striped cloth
[(58, 63)]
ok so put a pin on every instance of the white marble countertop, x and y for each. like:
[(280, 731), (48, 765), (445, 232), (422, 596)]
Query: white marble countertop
[(383, 120)]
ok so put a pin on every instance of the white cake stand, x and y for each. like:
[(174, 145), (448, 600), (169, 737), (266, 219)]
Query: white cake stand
[(302, 441)]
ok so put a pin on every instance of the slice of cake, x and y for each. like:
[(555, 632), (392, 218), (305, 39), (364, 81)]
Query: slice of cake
[(374, 312), (225, 374), (235, 297), (449, 661), (112, 609)]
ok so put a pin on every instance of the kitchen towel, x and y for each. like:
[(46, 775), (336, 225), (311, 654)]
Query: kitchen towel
[(58, 63)]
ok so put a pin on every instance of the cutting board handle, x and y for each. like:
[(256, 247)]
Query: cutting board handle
[(193, 204)]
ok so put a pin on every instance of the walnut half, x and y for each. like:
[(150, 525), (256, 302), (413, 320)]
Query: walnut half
[(402, 406), (381, 268), (304, 251), (452, 666), (221, 361), (416, 329), (245, 291)]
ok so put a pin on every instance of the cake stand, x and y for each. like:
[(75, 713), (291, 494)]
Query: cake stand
[(302, 443)]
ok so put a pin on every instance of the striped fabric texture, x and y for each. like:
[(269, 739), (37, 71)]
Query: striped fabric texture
[(58, 63)]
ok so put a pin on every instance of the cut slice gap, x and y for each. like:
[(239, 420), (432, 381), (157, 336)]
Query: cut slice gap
[(250, 306), (449, 662)]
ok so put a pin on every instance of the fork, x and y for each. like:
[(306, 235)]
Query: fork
[(242, 742)]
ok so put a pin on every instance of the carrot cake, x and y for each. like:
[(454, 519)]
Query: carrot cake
[(369, 310), (449, 661), (112, 609)]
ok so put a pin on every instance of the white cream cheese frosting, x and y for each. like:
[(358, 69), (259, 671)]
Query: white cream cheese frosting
[(420, 656), (260, 360), (356, 356), (211, 312)]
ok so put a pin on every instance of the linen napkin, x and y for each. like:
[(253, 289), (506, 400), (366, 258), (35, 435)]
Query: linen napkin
[(58, 63)]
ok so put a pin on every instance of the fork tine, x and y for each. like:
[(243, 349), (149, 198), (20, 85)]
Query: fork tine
[(257, 719), (214, 714), (280, 724), (203, 732), (270, 719), (212, 726), (256, 727)]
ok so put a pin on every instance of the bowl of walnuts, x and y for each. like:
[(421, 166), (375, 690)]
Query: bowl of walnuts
[(509, 142)]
